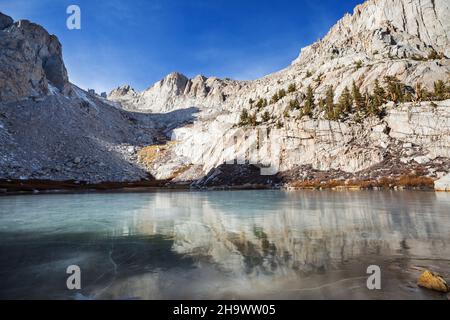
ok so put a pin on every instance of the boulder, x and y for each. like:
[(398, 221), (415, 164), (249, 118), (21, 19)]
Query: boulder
[(432, 281), (443, 184)]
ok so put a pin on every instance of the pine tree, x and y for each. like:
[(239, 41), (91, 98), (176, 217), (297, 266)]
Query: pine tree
[(294, 104), (358, 99), (422, 93), (408, 97), (243, 120), (279, 124), (322, 104), (274, 98), (262, 103), (345, 101), (368, 103), (373, 107), (379, 95), (395, 89), (292, 88), (439, 90), (318, 79), (265, 116), (252, 120), (309, 102), (281, 94), (329, 104)]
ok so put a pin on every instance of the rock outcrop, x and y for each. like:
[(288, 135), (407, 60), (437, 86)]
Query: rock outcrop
[(443, 184), (394, 28), (31, 61)]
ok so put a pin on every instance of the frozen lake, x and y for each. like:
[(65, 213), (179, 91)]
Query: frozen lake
[(223, 245)]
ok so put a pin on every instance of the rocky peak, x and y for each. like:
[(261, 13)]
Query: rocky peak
[(30, 61), (394, 28), (174, 83), (5, 21), (122, 91)]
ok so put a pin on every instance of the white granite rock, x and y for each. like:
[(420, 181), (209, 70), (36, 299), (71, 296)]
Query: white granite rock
[(443, 184)]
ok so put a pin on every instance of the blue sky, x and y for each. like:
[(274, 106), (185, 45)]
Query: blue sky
[(138, 42)]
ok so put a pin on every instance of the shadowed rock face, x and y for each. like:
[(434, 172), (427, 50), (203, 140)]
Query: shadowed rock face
[(5, 21), (30, 61)]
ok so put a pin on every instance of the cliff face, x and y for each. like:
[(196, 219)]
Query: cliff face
[(397, 28), (31, 61), (408, 40)]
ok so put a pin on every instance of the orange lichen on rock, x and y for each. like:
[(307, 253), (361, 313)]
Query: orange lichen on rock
[(150, 154)]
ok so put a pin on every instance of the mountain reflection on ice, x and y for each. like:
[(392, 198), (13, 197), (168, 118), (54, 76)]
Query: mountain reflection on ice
[(206, 245)]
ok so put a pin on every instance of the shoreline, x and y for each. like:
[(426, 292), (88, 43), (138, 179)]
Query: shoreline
[(17, 187), (13, 186)]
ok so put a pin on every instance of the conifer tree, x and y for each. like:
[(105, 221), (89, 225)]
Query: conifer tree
[(329, 104), (252, 119), (309, 102), (345, 101), (275, 98), (439, 90), (292, 88), (395, 89), (262, 103), (243, 120), (322, 105), (265, 116), (358, 99), (379, 95), (373, 107), (421, 93), (294, 104), (281, 94)]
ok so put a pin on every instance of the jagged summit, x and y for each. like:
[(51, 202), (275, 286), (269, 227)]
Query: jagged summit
[(122, 93), (386, 28), (166, 94)]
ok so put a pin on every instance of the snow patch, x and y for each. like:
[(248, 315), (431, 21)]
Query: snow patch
[(52, 90), (81, 94)]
